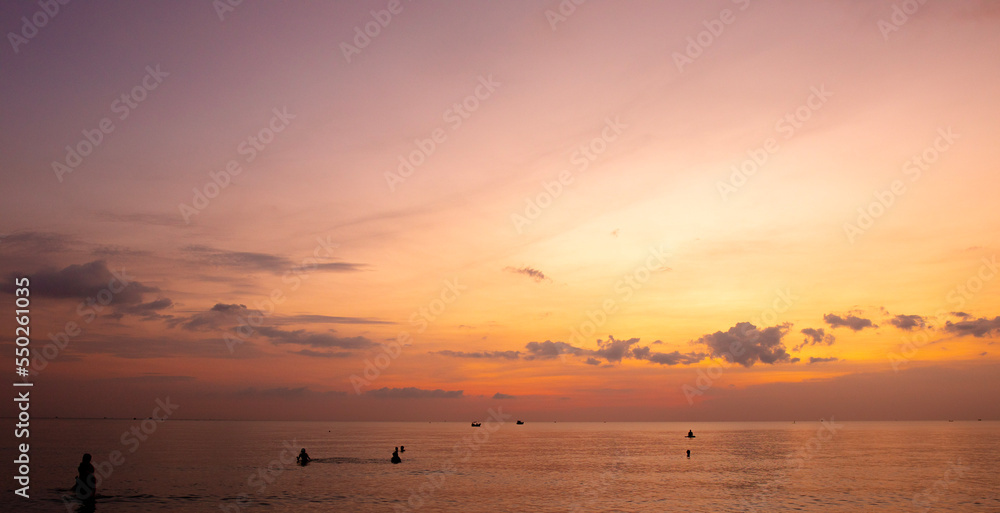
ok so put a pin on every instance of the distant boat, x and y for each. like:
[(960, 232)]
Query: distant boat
[(477, 424), (520, 422)]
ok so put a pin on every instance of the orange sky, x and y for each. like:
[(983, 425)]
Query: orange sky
[(572, 214)]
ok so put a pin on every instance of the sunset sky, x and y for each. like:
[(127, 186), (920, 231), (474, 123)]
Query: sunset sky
[(574, 212)]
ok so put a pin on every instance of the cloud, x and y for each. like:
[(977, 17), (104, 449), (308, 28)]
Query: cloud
[(908, 322), (534, 274), (745, 344), (815, 337), (508, 355), (319, 340), (822, 360), (498, 395), (323, 354), (144, 219), (612, 351), (80, 281), (674, 358), (148, 310), (275, 264), (325, 319), (414, 393), (981, 327), (37, 243), (220, 316), (549, 349), (850, 321), (963, 315)]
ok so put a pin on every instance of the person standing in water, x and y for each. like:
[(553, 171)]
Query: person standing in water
[(302, 458), (86, 484), (689, 453), (395, 456)]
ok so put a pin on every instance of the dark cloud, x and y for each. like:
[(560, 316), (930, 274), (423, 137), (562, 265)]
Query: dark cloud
[(148, 310), (143, 219), (507, 355), (815, 337), (220, 316), (316, 340), (549, 349), (850, 321), (37, 243), (614, 350), (981, 327), (240, 259), (908, 322), (159, 347), (745, 344), (674, 358), (611, 351), (325, 319), (498, 395), (250, 261), (534, 274), (81, 281), (963, 315), (822, 360), (333, 267), (414, 393), (323, 354)]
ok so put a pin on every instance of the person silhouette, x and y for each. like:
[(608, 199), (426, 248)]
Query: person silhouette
[(690, 434), (303, 458), (86, 484), (402, 448), (395, 456), (689, 453)]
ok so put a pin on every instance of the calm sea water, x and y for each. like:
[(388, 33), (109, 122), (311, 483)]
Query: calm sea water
[(537, 467)]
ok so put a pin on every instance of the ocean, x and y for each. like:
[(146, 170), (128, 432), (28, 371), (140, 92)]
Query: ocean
[(248, 466)]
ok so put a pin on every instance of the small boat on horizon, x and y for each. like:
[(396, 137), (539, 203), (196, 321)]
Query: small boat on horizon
[(520, 422), (477, 424)]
